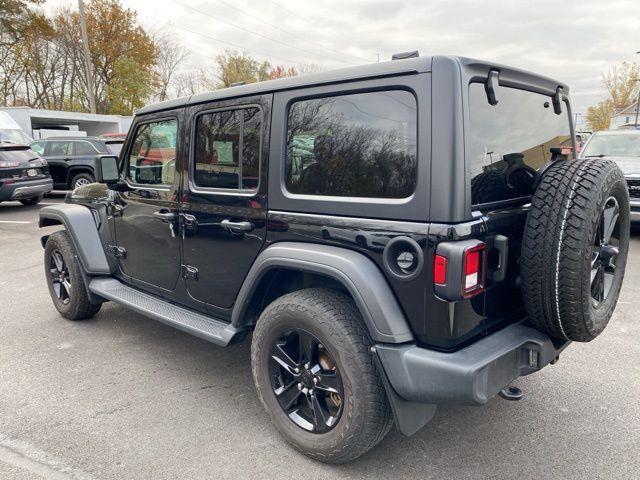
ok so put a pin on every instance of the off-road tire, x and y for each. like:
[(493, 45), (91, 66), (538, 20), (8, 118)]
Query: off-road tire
[(334, 319), (79, 307), (558, 245), (488, 186), (81, 176), (32, 200)]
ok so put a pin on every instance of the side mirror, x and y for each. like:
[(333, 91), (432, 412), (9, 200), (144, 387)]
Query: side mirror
[(108, 169)]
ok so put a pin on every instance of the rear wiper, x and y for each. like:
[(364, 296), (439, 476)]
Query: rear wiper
[(595, 156)]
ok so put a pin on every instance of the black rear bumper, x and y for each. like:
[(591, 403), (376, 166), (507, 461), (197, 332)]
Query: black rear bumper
[(21, 189), (470, 376)]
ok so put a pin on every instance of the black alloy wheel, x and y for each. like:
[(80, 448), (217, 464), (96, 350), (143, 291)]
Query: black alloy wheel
[(60, 277), (306, 381), (605, 251)]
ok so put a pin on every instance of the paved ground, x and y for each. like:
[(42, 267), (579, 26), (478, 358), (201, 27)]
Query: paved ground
[(123, 397)]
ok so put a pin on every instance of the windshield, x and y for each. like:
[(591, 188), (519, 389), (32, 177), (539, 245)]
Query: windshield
[(613, 146), (509, 141), (18, 155), (15, 136)]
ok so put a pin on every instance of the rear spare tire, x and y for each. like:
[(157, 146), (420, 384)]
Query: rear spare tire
[(575, 248)]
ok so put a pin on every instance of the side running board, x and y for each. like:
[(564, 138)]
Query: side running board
[(207, 328)]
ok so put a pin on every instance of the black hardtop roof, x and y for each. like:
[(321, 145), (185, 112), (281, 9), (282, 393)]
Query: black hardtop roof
[(382, 69), (513, 76)]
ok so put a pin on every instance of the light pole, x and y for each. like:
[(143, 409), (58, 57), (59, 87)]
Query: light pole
[(638, 102), (87, 58)]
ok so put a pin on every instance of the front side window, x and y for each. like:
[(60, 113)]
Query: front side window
[(358, 145), (59, 149), (227, 149), (509, 141), (152, 157)]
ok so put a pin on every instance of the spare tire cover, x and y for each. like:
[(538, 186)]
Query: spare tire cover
[(574, 249)]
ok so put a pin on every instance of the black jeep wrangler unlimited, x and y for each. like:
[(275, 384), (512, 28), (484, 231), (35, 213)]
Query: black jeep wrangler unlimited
[(395, 236)]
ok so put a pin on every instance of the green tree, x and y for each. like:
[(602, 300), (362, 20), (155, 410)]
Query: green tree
[(129, 87), (116, 40), (235, 67)]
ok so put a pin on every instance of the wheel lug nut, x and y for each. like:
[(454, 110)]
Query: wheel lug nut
[(315, 379), (306, 366)]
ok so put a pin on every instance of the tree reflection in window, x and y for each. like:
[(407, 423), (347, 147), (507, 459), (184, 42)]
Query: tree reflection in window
[(360, 145)]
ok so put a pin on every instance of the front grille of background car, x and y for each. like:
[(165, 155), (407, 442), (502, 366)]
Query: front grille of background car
[(634, 188)]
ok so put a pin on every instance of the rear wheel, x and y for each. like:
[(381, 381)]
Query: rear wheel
[(32, 200), (64, 279), (575, 248), (315, 375), (81, 179)]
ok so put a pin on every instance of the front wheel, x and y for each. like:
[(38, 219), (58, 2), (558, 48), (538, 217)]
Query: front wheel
[(64, 279), (315, 375)]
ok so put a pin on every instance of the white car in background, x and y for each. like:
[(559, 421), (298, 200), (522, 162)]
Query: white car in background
[(10, 131), (623, 147)]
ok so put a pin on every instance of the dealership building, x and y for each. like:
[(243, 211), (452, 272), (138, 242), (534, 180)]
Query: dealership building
[(39, 123)]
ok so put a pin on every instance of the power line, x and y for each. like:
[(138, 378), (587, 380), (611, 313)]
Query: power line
[(286, 31), (236, 45), (250, 31)]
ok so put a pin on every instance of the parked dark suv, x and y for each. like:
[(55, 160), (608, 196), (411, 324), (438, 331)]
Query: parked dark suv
[(24, 175), (72, 160), (395, 236)]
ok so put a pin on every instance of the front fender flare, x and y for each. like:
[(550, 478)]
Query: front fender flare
[(80, 223), (360, 276)]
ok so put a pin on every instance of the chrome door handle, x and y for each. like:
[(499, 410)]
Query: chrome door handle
[(236, 226), (165, 216)]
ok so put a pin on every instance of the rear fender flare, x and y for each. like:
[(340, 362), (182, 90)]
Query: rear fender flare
[(365, 282)]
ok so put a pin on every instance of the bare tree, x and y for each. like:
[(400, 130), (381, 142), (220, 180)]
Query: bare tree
[(188, 83), (170, 55)]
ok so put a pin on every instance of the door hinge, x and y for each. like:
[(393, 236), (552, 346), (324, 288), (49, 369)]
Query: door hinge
[(189, 272), (116, 251)]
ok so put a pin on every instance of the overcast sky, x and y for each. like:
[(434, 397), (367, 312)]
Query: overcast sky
[(572, 40)]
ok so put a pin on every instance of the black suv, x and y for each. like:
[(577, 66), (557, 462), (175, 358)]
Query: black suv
[(24, 175), (395, 236), (72, 160)]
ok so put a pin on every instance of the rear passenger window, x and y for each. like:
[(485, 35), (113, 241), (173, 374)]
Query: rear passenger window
[(360, 145), (152, 158), (227, 149), (84, 148)]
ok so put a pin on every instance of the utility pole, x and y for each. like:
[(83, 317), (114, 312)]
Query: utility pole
[(87, 58), (638, 102)]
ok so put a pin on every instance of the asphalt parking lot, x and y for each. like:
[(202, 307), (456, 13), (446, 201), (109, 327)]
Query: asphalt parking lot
[(123, 397)]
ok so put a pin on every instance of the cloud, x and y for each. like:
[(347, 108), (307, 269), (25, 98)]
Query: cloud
[(573, 41)]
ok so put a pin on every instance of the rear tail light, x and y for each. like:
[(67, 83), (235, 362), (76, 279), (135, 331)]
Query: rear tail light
[(440, 270), (8, 163), (473, 270), (459, 269)]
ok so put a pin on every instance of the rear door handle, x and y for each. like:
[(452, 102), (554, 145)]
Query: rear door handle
[(165, 216), (236, 226)]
